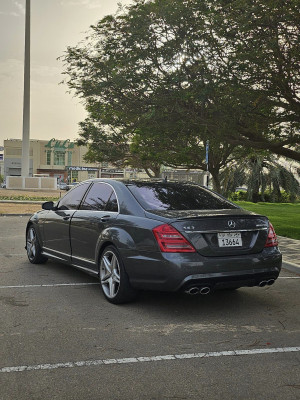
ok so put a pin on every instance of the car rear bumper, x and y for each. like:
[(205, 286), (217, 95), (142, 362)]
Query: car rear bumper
[(172, 272)]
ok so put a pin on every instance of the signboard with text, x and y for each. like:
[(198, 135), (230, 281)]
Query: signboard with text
[(81, 168)]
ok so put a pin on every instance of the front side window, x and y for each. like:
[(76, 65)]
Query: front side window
[(73, 198), (177, 196), (98, 198)]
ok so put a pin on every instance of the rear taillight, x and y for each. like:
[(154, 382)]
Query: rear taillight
[(171, 241), (272, 238)]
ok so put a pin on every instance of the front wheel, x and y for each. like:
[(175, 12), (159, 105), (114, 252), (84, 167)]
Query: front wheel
[(33, 247), (113, 278)]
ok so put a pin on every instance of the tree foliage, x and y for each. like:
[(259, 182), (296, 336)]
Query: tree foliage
[(260, 172), (161, 77)]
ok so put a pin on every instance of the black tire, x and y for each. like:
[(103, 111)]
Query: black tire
[(113, 278), (33, 248)]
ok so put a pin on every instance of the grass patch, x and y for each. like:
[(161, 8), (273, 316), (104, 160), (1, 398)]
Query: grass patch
[(285, 217)]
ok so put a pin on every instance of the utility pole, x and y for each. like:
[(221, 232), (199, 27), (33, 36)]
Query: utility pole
[(26, 98), (207, 161)]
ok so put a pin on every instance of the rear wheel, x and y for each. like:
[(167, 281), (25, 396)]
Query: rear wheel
[(34, 252), (113, 278)]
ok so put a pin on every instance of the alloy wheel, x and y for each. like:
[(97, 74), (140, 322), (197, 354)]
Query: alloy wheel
[(31, 244), (110, 274)]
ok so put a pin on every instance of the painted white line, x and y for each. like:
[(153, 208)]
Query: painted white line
[(131, 360), (288, 277), (49, 285), (11, 255), (89, 283)]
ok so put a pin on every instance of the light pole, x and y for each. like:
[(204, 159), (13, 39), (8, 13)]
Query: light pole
[(207, 161), (26, 98)]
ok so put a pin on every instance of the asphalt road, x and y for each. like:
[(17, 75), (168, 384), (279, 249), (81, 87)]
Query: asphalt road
[(61, 340)]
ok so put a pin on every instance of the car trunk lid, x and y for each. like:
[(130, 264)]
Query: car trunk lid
[(220, 232)]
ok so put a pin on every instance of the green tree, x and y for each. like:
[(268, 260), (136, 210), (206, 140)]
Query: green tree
[(168, 75), (260, 172), (263, 57)]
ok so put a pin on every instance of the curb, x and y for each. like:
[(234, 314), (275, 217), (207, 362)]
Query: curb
[(22, 201), (16, 215)]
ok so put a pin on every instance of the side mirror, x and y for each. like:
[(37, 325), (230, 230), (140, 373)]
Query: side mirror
[(48, 205)]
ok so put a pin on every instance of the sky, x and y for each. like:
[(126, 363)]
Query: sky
[(55, 24)]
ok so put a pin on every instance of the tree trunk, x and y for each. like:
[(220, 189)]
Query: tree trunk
[(216, 180)]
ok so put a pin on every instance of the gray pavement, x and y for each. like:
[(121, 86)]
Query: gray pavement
[(61, 340), (290, 249)]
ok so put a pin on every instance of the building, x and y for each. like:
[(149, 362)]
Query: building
[(1, 161), (61, 159)]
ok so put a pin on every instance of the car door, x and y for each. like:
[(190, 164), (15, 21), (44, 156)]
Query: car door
[(97, 211), (57, 223)]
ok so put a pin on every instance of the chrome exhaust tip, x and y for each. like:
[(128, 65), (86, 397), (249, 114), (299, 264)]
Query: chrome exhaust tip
[(192, 291), (205, 290), (262, 283), (270, 282)]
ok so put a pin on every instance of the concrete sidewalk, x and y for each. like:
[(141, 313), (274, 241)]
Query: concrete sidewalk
[(290, 249)]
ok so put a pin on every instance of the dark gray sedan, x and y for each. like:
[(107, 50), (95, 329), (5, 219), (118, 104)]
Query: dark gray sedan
[(166, 236)]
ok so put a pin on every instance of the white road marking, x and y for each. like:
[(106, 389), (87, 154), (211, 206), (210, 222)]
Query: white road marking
[(89, 283), (49, 285), (289, 277), (11, 255), (131, 360)]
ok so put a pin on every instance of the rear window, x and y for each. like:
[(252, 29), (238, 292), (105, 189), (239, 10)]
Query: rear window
[(177, 196)]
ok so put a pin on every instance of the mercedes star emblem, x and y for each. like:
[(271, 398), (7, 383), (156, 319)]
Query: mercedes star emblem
[(231, 224)]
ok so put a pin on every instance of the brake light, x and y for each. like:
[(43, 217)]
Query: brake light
[(272, 238), (171, 241)]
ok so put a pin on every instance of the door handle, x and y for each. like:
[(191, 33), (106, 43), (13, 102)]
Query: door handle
[(105, 218), (66, 218)]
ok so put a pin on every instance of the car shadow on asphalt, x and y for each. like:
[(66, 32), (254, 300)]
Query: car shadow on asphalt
[(225, 302)]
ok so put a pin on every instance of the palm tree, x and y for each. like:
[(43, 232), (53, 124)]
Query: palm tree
[(260, 172)]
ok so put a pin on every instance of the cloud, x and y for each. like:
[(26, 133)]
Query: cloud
[(20, 10), (91, 4), (20, 7), (10, 69), (12, 13)]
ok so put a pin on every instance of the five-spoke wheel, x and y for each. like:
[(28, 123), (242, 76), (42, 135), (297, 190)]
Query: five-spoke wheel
[(113, 278), (33, 248)]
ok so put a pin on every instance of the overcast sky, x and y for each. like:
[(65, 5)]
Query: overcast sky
[(55, 24)]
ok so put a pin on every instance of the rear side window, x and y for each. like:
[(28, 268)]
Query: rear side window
[(99, 198), (73, 198), (177, 196)]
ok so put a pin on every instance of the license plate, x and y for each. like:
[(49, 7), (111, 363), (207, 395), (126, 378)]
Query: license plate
[(230, 239)]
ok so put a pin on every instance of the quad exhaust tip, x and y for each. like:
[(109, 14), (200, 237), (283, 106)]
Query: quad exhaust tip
[(196, 290), (268, 282)]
